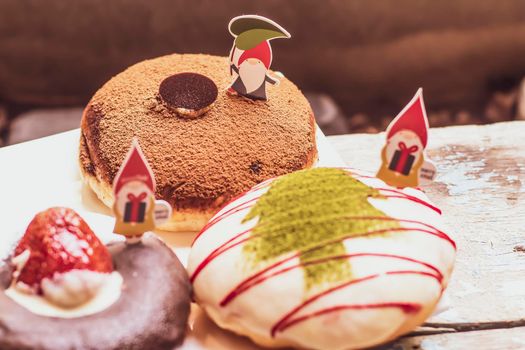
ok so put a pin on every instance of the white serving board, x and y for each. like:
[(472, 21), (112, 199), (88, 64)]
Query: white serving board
[(44, 173)]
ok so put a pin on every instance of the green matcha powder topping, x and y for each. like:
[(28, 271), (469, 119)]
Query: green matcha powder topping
[(308, 212)]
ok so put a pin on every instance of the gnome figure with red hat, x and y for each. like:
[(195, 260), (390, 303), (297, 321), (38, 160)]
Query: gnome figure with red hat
[(135, 206), (251, 55), (403, 155)]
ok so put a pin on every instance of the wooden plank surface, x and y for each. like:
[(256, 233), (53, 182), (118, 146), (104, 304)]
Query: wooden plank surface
[(497, 339), (481, 190)]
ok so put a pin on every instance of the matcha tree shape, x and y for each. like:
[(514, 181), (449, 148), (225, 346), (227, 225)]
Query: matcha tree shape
[(308, 209)]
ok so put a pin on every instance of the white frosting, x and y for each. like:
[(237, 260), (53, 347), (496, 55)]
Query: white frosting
[(255, 311), (73, 288), (72, 294), (20, 261)]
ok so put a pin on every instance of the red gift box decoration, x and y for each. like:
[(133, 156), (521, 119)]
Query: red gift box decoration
[(403, 159), (135, 208)]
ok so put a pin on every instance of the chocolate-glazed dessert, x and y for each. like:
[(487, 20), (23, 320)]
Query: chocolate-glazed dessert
[(205, 146), (63, 289)]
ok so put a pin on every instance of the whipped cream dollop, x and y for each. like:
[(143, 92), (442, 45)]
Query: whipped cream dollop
[(74, 287), (69, 294)]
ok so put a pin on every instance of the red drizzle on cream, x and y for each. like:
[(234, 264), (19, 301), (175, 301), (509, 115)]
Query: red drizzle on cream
[(291, 319)]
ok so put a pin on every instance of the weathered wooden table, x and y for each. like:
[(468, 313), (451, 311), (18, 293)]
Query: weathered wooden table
[(481, 190)]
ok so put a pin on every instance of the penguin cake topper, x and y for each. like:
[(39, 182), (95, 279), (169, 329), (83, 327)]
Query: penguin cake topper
[(251, 55), (403, 156), (135, 208)]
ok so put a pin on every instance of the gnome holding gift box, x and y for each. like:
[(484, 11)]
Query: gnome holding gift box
[(403, 155), (251, 55), (135, 207)]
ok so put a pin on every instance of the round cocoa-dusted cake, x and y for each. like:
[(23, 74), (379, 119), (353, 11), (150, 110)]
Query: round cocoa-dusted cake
[(205, 146)]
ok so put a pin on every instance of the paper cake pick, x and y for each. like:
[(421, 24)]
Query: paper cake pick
[(251, 54), (403, 161), (135, 208)]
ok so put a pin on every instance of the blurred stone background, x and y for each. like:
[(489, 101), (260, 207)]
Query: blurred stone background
[(359, 62)]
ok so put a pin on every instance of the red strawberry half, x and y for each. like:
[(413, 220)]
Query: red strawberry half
[(59, 240)]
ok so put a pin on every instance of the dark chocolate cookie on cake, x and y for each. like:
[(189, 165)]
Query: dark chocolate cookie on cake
[(205, 146)]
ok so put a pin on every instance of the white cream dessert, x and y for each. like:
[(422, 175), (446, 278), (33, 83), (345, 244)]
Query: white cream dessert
[(322, 259)]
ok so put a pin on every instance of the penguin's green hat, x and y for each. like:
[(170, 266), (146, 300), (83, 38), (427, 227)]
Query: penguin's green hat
[(251, 30)]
